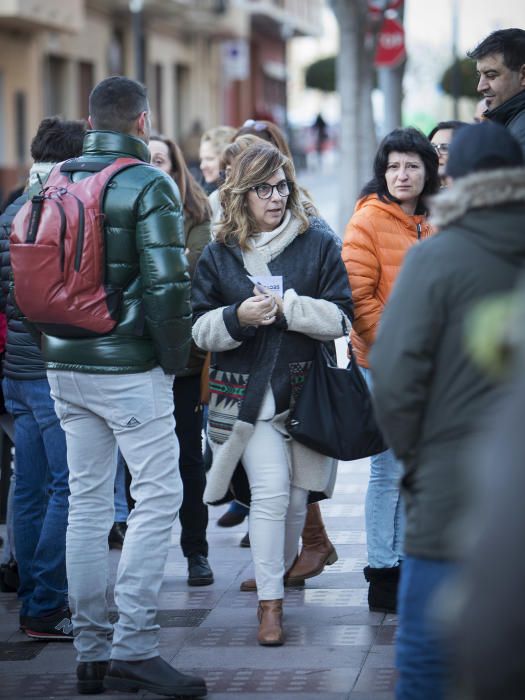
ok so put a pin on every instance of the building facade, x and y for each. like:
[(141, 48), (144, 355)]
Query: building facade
[(205, 62)]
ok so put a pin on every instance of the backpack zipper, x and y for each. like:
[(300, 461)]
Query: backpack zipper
[(62, 234), (80, 234)]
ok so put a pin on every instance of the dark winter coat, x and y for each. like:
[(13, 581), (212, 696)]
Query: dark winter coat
[(23, 359), (317, 300), (512, 115), (430, 397), (144, 248)]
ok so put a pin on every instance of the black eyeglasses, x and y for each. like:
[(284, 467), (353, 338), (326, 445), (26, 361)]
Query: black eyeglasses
[(441, 148), (265, 190)]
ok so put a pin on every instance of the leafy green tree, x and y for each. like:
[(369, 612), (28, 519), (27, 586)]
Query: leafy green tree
[(467, 79), (320, 75)]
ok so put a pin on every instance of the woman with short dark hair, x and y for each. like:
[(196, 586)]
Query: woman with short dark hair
[(388, 219)]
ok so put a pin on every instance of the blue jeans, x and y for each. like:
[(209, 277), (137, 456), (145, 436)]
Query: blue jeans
[(422, 656), (40, 503), (384, 512)]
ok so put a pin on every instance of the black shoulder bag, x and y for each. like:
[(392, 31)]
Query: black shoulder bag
[(334, 414)]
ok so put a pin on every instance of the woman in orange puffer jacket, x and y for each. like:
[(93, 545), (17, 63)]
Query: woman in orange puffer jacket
[(388, 219)]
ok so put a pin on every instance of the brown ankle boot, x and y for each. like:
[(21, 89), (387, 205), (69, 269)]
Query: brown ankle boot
[(317, 551), (270, 614)]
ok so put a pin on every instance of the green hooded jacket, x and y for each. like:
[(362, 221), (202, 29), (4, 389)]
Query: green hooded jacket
[(144, 251)]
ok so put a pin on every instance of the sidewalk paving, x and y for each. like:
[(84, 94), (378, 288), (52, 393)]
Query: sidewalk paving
[(335, 648)]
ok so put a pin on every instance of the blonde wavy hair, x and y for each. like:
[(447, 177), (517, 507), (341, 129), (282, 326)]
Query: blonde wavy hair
[(218, 137), (253, 167)]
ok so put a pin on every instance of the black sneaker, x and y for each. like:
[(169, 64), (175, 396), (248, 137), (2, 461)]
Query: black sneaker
[(90, 677), (116, 535), (55, 627)]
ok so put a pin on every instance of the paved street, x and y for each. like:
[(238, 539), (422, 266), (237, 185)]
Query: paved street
[(335, 648)]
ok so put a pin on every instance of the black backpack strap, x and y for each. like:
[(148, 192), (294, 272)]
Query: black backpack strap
[(74, 165)]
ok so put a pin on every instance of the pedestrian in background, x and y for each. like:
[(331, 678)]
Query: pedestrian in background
[(440, 137), (432, 399), (41, 491), (262, 345), (389, 218), (212, 145), (193, 514), (500, 64)]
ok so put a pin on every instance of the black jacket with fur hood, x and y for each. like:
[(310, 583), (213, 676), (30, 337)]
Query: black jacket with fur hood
[(430, 397)]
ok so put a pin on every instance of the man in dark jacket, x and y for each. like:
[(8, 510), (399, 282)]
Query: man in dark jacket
[(41, 491), (500, 62), (117, 389), (430, 396)]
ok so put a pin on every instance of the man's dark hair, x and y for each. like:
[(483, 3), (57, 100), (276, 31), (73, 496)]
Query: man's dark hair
[(452, 124), (509, 42), (407, 140), (116, 102), (57, 140)]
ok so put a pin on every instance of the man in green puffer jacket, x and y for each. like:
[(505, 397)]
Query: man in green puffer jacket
[(117, 389)]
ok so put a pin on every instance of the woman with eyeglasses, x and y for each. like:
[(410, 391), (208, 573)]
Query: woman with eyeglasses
[(440, 137), (317, 550), (166, 155), (389, 218), (263, 343)]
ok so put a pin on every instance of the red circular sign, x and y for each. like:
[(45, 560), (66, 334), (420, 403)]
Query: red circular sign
[(390, 50)]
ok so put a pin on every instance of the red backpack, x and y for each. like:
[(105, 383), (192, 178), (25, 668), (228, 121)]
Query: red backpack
[(57, 253)]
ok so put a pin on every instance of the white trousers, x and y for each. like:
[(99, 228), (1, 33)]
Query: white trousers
[(97, 411), (277, 510)]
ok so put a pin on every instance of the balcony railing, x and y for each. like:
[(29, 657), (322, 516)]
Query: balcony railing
[(57, 15)]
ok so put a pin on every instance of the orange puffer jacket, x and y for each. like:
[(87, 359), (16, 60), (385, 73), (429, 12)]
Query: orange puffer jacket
[(377, 238)]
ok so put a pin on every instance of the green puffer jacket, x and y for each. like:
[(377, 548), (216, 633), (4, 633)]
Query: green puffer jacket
[(144, 239)]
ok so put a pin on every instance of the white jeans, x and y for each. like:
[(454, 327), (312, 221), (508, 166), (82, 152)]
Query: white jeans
[(277, 510), (97, 411)]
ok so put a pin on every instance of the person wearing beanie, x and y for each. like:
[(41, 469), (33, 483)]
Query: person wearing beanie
[(500, 64), (431, 397)]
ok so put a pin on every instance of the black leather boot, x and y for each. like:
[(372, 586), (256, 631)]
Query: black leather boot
[(199, 571), (90, 675), (155, 675), (382, 591)]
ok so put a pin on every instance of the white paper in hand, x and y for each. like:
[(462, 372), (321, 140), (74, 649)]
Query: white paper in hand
[(273, 283)]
